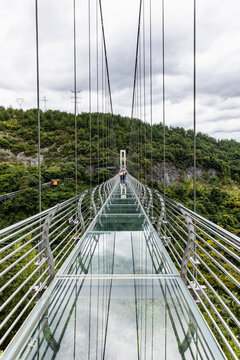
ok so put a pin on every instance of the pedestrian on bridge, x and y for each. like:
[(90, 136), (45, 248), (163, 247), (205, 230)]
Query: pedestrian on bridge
[(122, 177)]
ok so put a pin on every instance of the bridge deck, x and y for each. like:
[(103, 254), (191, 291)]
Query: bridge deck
[(118, 296)]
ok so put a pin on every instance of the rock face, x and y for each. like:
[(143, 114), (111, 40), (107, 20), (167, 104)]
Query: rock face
[(27, 160), (173, 174)]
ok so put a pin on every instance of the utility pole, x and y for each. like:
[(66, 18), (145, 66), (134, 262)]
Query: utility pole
[(44, 99), (78, 97), (20, 102)]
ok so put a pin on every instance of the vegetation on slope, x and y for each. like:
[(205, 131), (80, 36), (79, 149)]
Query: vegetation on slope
[(218, 194)]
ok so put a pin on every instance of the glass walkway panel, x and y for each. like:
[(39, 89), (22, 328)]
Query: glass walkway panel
[(117, 296)]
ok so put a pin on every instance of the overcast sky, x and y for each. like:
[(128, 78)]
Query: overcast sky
[(218, 58)]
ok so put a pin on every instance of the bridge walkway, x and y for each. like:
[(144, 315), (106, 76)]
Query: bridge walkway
[(117, 296)]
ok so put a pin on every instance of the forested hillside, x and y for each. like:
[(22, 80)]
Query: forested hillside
[(217, 161)]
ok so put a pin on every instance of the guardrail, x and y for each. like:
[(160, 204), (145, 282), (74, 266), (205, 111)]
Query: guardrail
[(207, 257), (34, 249)]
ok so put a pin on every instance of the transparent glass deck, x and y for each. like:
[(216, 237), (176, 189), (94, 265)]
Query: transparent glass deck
[(118, 296)]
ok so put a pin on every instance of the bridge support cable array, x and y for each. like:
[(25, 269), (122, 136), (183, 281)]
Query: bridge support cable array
[(117, 289)]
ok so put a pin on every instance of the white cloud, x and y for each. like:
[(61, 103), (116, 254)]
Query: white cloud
[(218, 58)]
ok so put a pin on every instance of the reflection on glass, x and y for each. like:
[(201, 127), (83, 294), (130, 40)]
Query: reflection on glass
[(120, 297), (119, 319)]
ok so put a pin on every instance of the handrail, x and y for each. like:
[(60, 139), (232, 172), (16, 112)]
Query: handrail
[(34, 249), (208, 259)]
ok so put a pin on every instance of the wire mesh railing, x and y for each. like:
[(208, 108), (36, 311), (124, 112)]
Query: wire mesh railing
[(34, 249), (207, 257)]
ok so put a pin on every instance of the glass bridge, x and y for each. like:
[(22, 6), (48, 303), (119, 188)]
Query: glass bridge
[(117, 296)]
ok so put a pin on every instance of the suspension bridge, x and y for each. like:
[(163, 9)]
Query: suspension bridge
[(119, 270)]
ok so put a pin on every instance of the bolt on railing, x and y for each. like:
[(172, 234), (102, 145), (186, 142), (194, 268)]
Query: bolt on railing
[(33, 250), (207, 257)]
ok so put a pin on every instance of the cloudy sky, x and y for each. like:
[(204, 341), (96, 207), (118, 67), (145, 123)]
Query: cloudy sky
[(218, 58)]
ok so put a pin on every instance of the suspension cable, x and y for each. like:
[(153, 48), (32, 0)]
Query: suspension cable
[(131, 137), (144, 94), (90, 91), (151, 105), (107, 72), (163, 98), (103, 132), (140, 103), (97, 63), (75, 91), (38, 111), (194, 105), (106, 59), (136, 57)]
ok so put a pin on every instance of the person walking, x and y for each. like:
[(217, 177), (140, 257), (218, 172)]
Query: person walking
[(125, 177), (122, 177)]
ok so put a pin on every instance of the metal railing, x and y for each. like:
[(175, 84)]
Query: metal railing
[(34, 249), (207, 257)]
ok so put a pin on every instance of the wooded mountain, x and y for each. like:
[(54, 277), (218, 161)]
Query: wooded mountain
[(217, 161)]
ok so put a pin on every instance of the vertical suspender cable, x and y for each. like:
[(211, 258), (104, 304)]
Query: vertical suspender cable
[(106, 60), (90, 91), (136, 58), (107, 73), (140, 104), (38, 112), (150, 55), (194, 127), (97, 84), (163, 98), (103, 139), (144, 93), (75, 88), (135, 76), (194, 104)]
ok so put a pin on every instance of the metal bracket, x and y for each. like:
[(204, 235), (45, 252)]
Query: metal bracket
[(190, 245), (46, 245), (194, 288), (166, 240)]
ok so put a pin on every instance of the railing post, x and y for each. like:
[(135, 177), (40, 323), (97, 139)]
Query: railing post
[(104, 189), (93, 205), (81, 219), (144, 194), (46, 245), (190, 245), (193, 285), (162, 216), (150, 200), (99, 193)]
